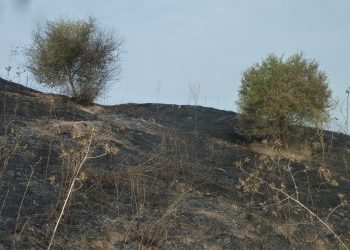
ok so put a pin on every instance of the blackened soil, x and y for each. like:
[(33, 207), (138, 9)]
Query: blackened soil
[(183, 178)]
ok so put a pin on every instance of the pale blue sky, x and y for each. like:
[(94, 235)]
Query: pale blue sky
[(209, 42)]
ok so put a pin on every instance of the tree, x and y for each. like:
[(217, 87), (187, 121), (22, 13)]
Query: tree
[(76, 55), (280, 94)]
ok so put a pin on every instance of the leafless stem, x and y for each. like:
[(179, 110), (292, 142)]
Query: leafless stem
[(71, 187), (3, 203), (302, 206), (334, 209), (24, 195)]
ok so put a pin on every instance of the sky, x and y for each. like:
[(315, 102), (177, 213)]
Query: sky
[(172, 44)]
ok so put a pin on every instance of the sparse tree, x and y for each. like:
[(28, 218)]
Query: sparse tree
[(76, 55), (280, 94)]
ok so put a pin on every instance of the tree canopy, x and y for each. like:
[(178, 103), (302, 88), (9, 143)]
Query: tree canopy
[(279, 93), (76, 55)]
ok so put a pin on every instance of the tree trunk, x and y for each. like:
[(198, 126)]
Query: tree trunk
[(71, 83), (73, 88)]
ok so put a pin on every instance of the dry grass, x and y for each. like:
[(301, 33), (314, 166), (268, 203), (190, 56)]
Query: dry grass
[(301, 154)]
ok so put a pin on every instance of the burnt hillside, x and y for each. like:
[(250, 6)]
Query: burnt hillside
[(156, 176)]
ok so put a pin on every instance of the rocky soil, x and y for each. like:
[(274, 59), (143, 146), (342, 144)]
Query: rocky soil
[(157, 176)]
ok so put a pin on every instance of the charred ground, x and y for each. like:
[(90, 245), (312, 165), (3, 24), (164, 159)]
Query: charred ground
[(183, 178)]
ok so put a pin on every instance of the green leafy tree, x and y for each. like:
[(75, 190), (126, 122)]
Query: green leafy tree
[(279, 95), (76, 55)]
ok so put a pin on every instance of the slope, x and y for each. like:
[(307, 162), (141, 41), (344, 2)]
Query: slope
[(159, 177)]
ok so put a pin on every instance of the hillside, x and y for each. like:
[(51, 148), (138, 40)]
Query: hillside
[(157, 176)]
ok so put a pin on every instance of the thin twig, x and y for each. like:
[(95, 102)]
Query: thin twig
[(24, 194), (342, 204), (3, 203), (301, 205), (70, 192)]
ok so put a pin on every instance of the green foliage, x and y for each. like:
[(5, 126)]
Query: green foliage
[(279, 95), (76, 55)]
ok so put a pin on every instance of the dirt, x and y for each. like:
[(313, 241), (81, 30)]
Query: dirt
[(160, 177)]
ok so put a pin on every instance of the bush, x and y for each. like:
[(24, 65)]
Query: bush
[(278, 96), (76, 55)]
